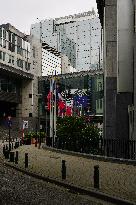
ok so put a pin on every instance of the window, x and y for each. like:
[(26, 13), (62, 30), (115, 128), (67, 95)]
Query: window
[(20, 63), (11, 47), (1, 42), (0, 32), (100, 86), (4, 34), (4, 85), (13, 38), (19, 50), (4, 43), (30, 95), (101, 103), (34, 52), (9, 58), (4, 56), (19, 46), (12, 60), (30, 114), (97, 101), (0, 55), (27, 65), (9, 35)]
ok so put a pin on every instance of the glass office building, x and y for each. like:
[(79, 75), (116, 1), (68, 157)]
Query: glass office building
[(77, 37)]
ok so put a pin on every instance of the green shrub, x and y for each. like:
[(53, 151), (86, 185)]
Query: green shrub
[(73, 133)]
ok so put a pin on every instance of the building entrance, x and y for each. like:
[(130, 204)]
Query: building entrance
[(7, 109)]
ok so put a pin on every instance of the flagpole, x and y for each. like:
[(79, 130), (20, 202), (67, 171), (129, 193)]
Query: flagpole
[(65, 95), (55, 109), (51, 109)]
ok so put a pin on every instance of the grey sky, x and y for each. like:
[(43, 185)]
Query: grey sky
[(23, 13)]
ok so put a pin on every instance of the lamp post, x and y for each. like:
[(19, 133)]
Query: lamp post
[(39, 97)]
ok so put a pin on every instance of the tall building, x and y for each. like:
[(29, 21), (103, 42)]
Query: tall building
[(77, 37), (20, 66)]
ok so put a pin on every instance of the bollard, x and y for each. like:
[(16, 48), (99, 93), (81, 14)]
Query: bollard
[(12, 145), (36, 143), (96, 176), (16, 145), (16, 158), (26, 160), (6, 154), (13, 139), (11, 156), (20, 142), (4, 149), (63, 169), (6, 139), (16, 138), (9, 147)]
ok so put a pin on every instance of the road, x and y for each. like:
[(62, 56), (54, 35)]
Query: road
[(17, 188)]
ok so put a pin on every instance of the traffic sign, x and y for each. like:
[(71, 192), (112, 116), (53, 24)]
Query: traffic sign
[(9, 122), (25, 124)]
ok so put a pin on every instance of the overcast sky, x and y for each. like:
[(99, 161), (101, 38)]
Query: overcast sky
[(23, 13)]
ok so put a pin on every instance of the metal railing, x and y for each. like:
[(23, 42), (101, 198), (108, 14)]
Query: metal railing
[(117, 148)]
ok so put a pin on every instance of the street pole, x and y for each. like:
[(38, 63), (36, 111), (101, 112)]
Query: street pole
[(9, 126), (51, 109), (9, 138)]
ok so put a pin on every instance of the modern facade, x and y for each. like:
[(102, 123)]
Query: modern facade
[(20, 63), (77, 37), (119, 67), (51, 61), (78, 94)]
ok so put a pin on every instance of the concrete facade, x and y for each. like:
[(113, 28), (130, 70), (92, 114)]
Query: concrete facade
[(116, 101), (22, 62)]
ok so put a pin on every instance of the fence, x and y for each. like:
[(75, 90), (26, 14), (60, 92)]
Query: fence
[(118, 148)]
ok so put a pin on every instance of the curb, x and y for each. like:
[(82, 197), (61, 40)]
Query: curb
[(94, 193), (93, 157)]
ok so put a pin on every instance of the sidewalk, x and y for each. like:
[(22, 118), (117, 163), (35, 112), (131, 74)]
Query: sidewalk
[(117, 180)]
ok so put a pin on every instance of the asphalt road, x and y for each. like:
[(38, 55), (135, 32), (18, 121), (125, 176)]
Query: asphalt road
[(17, 188)]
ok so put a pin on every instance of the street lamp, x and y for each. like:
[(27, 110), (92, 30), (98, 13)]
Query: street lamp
[(39, 126)]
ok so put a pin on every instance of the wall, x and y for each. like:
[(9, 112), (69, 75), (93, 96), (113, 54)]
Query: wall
[(115, 104)]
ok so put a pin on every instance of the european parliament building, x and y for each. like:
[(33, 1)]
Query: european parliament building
[(77, 37)]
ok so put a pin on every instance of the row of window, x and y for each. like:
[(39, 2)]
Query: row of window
[(14, 43), (7, 86), (12, 38), (20, 63), (12, 47), (99, 103)]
